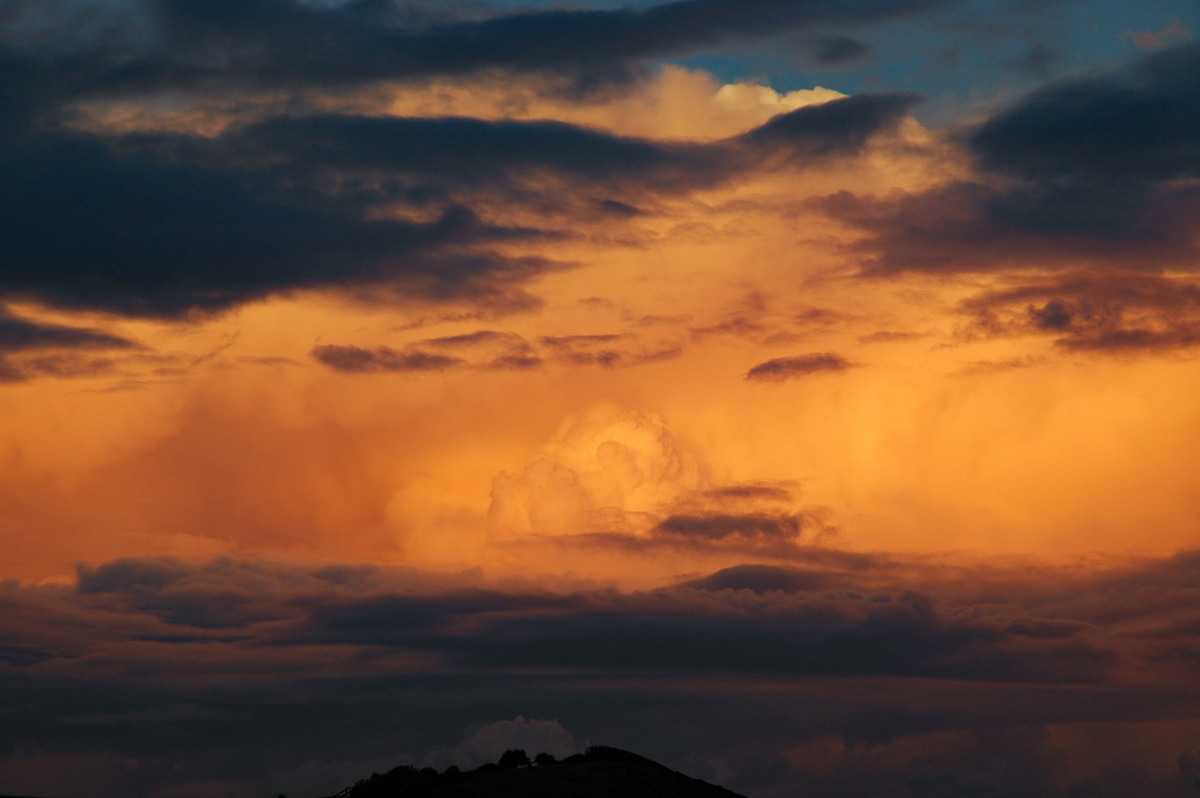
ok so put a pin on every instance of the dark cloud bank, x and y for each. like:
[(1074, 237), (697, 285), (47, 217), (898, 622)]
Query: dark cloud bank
[(1093, 171), (158, 677), (215, 44), (1097, 171), (1094, 174), (158, 225), (172, 226)]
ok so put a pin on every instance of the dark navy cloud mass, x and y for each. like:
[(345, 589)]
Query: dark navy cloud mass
[(1097, 167), (176, 226), (1096, 171), (162, 225)]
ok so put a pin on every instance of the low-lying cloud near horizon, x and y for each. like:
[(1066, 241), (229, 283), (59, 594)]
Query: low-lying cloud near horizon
[(835, 675)]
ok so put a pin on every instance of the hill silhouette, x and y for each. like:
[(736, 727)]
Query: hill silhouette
[(600, 772)]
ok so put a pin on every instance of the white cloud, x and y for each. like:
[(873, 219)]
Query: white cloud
[(605, 468)]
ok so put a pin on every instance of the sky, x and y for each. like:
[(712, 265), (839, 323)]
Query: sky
[(799, 393)]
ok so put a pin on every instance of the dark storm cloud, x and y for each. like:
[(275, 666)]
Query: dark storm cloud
[(457, 150), (232, 670), (966, 227), (1130, 127), (287, 40), (33, 86), (841, 126), (161, 225), (88, 227), (1096, 169), (452, 151), (783, 368), (52, 56), (798, 631), (232, 594), (167, 225), (759, 605), (1153, 594), (774, 633)]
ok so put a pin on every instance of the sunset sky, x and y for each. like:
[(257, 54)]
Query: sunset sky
[(801, 393)]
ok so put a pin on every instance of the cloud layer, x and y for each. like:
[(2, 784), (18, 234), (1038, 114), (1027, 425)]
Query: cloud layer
[(213, 657)]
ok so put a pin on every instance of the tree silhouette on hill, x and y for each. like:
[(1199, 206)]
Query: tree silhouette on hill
[(514, 758)]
